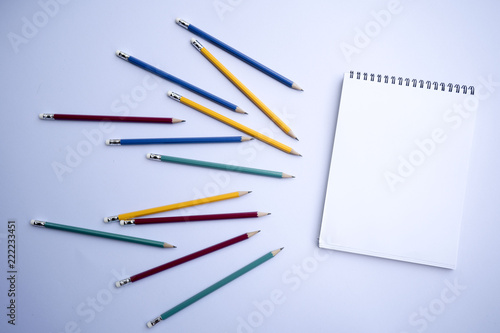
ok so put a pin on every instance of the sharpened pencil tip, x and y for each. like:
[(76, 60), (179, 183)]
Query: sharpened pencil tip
[(275, 252), (250, 234), (240, 110), (297, 87)]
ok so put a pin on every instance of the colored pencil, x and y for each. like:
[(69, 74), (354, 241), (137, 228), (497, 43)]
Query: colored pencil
[(185, 259), (61, 116), (176, 80), (215, 139), (213, 287), (192, 218), (232, 123), (220, 166), (174, 206), (238, 54), (98, 233), (250, 95)]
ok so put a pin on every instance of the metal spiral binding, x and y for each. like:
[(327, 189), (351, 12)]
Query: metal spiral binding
[(421, 83)]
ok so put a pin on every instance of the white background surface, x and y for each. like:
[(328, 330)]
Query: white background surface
[(67, 65)]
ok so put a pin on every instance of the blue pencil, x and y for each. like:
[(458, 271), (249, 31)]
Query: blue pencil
[(238, 54), (215, 139), (178, 81)]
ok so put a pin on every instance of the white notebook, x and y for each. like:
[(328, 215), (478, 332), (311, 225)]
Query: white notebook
[(398, 172)]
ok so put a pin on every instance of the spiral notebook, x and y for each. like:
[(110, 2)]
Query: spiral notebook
[(398, 173)]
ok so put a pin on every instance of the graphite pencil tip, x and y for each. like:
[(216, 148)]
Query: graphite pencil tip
[(250, 234), (240, 110)]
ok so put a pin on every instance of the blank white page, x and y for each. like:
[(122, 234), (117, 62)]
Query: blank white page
[(398, 171)]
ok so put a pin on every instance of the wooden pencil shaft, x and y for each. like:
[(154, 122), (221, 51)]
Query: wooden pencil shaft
[(189, 257), (179, 205), (251, 96), (178, 81), (221, 166), (193, 218), (103, 234), (266, 70), (216, 285), (144, 141), (236, 125), (60, 116)]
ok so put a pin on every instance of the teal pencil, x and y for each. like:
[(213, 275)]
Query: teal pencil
[(98, 233), (213, 287), (221, 166)]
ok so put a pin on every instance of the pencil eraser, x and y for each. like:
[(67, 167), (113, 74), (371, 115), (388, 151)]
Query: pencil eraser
[(117, 284), (40, 116), (149, 324), (177, 20), (107, 142), (32, 222), (148, 155), (117, 53), (169, 93), (106, 220), (193, 40)]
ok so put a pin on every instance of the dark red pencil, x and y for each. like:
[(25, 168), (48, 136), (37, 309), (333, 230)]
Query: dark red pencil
[(61, 116), (191, 218), (186, 258)]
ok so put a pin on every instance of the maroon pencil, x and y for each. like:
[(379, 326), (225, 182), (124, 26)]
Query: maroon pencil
[(191, 218), (186, 258), (61, 116)]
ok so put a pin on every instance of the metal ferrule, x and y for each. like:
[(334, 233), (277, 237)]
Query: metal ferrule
[(155, 157), (183, 23), (154, 321), (127, 222), (122, 55), (111, 218), (174, 96), (38, 223), (114, 142), (47, 116), (196, 44), (123, 282)]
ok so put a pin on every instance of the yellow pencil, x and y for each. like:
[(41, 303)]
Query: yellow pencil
[(232, 123), (251, 96), (179, 205)]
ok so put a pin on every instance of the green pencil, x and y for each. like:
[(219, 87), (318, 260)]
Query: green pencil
[(213, 287), (98, 233), (221, 166)]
